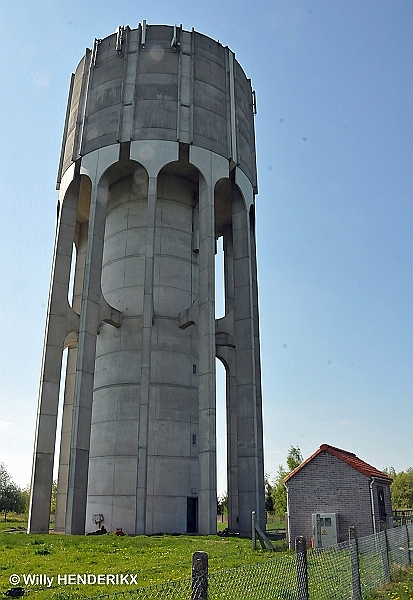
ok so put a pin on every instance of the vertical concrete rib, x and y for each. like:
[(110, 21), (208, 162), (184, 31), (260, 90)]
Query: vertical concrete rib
[(83, 393), (247, 432), (260, 433), (143, 426), (56, 330), (128, 101), (185, 90), (206, 378), (232, 112), (231, 387)]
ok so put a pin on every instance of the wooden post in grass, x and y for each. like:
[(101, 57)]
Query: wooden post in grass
[(199, 576)]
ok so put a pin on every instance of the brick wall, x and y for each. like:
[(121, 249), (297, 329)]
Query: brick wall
[(327, 484)]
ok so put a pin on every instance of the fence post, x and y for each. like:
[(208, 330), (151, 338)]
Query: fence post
[(301, 566), (253, 530), (384, 555), (199, 576), (406, 546), (409, 549), (354, 559)]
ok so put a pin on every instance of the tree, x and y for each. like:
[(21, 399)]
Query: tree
[(11, 498), (54, 497), (222, 504), (25, 493), (294, 458), (279, 493), (269, 501), (4, 476), (402, 488)]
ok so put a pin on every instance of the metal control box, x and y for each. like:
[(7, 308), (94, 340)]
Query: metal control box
[(325, 529)]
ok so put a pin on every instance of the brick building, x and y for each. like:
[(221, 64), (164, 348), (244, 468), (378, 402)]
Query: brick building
[(337, 483)]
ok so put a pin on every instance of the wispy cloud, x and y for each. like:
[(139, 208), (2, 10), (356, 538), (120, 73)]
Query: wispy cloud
[(41, 80)]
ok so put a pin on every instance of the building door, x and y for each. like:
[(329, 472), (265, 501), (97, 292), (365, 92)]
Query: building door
[(192, 515), (381, 503)]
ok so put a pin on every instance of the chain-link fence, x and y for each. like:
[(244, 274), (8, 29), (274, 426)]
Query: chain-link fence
[(348, 571), (329, 573), (358, 567), (275, 578)]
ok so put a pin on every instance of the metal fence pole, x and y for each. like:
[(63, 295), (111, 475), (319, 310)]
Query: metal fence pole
[(406, 546), (253, 530), (199, 576), (409, 549), (301, 566), (354, 559), (384, 555)]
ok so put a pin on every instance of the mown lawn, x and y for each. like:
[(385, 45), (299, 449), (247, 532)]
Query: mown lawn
[(155, 559)]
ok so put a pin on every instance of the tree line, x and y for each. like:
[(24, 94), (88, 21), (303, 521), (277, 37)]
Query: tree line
[(14, 499)]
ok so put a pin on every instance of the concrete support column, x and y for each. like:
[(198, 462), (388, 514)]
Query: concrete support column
[(258, 389), (247, 425), (83, 393), (56, 330), (212, 168), (207, 493), (231, 388), (232, 438), (143, 425), (228, 269), (227, 355), (60, 515)]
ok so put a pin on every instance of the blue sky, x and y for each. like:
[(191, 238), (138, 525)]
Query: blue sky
[(334, 135)]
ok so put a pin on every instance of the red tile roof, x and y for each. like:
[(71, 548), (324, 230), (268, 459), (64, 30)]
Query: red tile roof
[(347, 457)]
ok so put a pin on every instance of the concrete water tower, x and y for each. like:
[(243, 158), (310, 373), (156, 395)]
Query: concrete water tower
[(157, 163)]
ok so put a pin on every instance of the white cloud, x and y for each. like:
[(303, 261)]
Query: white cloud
[(41, 80)]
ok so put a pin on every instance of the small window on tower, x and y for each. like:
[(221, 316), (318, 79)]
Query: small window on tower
[(193, 368)]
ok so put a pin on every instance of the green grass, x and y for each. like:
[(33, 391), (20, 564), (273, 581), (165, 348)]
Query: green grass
[(13, 521), (155, 558), (400, 587)]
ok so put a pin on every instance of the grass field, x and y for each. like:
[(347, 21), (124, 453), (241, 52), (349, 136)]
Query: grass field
[(154, 559), (147, 560), (401, 587)]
